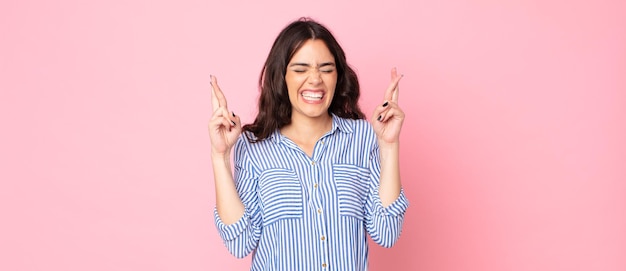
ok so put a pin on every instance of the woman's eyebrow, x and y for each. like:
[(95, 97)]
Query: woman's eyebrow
[(299, 64), (308, 65)]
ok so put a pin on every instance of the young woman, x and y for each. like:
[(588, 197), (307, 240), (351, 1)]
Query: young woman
[(312, 176)]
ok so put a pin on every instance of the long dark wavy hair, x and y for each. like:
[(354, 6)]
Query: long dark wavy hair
[(274, 105)]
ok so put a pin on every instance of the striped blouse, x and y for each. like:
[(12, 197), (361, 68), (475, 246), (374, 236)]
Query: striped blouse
[(311, 213)]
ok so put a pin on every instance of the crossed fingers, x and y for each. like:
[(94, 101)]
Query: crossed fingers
[(220, 109)]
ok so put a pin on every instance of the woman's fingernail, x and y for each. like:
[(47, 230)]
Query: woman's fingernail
[(233, 114), (233, 123), (385, 104), (380, 117)]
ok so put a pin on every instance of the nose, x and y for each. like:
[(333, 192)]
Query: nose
[(315, 77)]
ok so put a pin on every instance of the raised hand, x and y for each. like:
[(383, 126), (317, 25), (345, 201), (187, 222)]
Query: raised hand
[(224, 126), (388, 116)]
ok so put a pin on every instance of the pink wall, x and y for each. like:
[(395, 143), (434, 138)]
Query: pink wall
[(513, 150)]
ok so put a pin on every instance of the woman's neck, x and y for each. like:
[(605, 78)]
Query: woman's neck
[(306, 131)]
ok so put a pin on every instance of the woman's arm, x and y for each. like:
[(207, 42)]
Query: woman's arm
[(383, 220), (241, 230), (387, 123), (390, 184), (224, 129), (229, 205), (237, 215)]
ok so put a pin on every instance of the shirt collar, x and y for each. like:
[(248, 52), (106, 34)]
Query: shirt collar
[(338, 124)]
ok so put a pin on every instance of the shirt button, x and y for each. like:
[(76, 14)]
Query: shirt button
[(323, 238), (313, 163), (323, 265), (315, 185), (319, 210)]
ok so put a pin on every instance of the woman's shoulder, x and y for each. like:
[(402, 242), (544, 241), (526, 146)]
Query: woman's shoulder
[(248, 145), (248, 140)]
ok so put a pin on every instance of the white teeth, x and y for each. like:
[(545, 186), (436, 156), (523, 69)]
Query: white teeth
[(312, 96)]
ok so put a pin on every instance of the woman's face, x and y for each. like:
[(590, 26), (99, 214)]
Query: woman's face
[(311, 78)]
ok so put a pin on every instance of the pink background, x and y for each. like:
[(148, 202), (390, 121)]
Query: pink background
[(513, 155)]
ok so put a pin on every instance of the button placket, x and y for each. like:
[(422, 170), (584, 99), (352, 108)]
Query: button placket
[(317, 204)]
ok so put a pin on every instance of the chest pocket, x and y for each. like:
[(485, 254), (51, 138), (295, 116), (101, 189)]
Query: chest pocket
[(280, 194), (352, 188)]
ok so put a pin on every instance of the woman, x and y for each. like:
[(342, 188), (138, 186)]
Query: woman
[(312, 176)]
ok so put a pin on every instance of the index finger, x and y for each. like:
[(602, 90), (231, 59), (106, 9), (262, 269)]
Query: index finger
[(217, 98), (396, 91)]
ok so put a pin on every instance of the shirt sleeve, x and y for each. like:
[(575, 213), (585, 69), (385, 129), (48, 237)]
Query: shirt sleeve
[(242, 237), (384, 224)]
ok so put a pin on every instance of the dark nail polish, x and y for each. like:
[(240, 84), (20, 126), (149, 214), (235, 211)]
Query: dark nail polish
[(385, 104), (380, 117), (233, 114), (233, 123)]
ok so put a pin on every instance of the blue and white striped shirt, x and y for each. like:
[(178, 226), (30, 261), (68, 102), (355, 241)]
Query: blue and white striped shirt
[(311, 213)]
